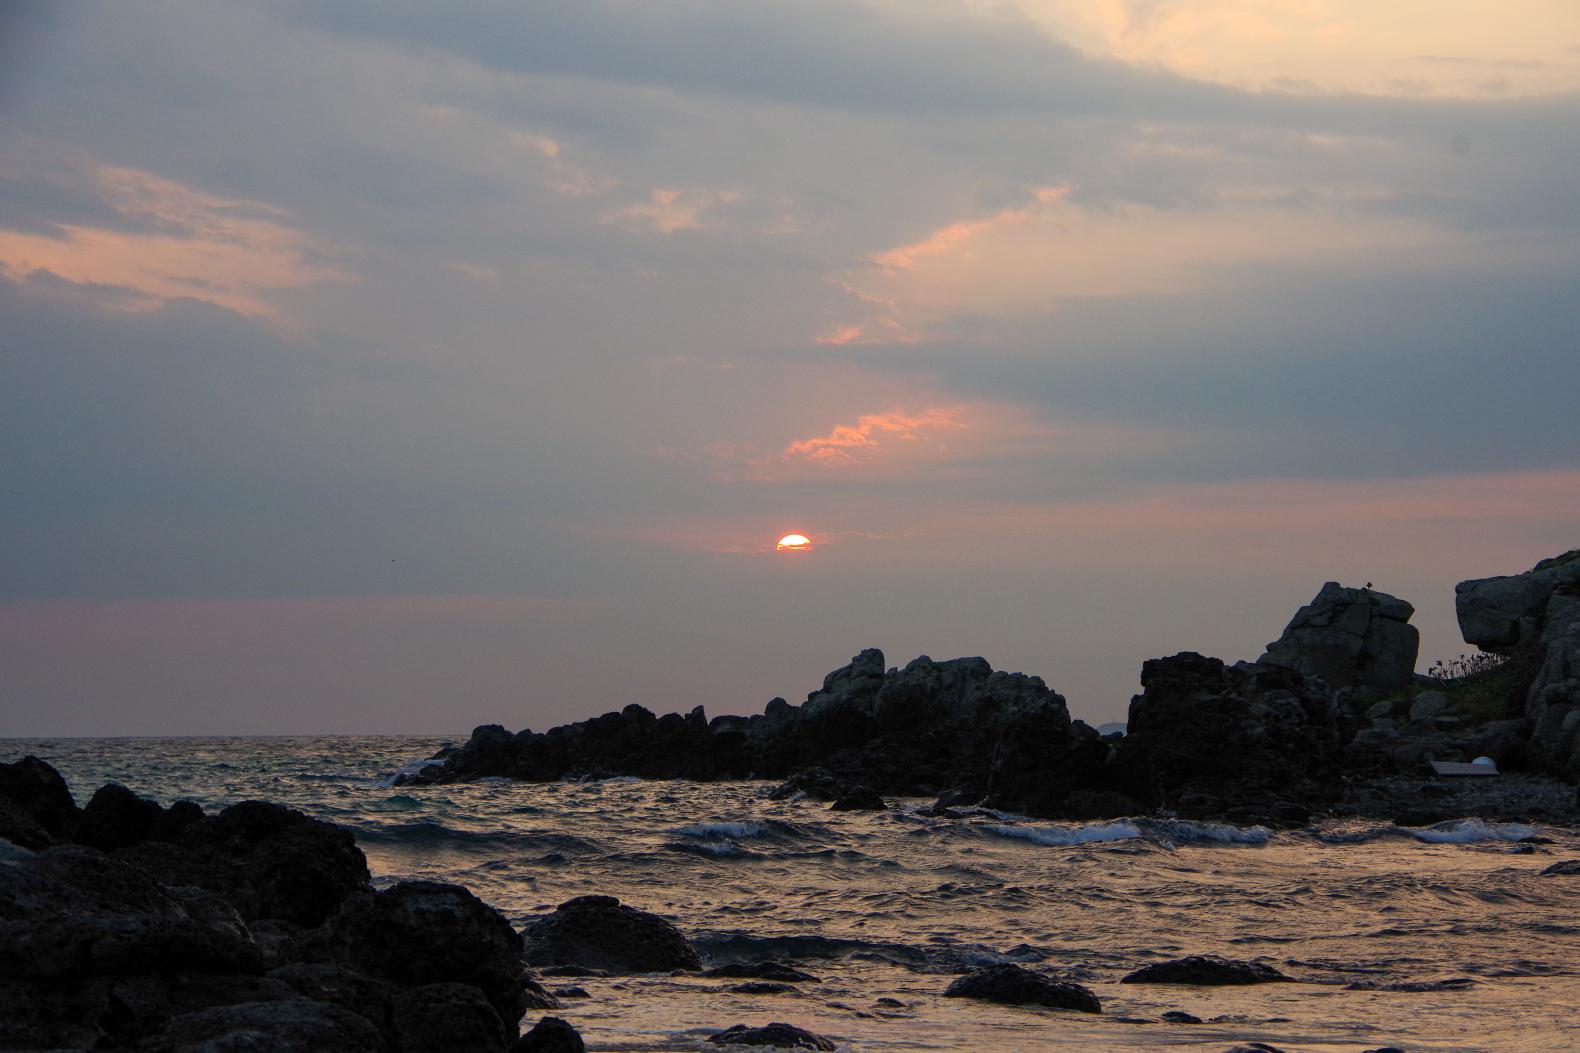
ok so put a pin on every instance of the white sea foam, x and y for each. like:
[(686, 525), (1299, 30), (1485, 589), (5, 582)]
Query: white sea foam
[(722, 830), (411, 768), (1117, 830), (1172, 830), (1467, 831)]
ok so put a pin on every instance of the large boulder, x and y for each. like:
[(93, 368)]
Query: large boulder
[(270, 861), (280, 1027), (443, 1017), (1014, 985), (1250, 737), (1350, 638), (601, 933), (1534, 620), (419, 933), (96, 954), (38, 790), (115, 817)]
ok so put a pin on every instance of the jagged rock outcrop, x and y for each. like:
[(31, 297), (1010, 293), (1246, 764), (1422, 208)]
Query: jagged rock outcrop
[(1248, 738), (1350, 638), (253, 929), (1534, 619), (931, 726)]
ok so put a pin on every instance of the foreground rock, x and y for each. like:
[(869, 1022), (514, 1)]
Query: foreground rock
[(777, 1036), (1206, 970), (1350, 638), (600, 934), (1013, 985), (1212, 739), (188, 937)]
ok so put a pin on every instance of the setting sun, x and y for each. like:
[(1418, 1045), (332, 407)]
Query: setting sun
[(794, 543)]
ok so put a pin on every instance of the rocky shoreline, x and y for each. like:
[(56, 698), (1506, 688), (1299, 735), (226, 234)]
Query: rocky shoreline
[(1331, 721)]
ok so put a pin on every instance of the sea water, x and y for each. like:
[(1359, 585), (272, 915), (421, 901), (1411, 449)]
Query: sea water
[(1444, 939)]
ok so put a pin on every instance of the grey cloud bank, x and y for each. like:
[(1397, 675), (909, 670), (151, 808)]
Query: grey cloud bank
[(444, 363)]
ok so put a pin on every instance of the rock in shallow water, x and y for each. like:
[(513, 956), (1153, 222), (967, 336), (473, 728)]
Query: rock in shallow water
[(1567, 866), (859, 799), (599, 932), (1013, 985), (777, 1035), (1207, 970), (550, 1035)]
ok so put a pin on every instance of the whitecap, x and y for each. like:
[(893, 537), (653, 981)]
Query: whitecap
[(1117, 830), (1466, 831), (722, 830)]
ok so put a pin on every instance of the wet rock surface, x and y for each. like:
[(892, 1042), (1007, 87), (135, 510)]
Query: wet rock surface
[(550, 1035), (776, 1036), (1015, 985), (601, 933), (111, 951), (1206, 970)]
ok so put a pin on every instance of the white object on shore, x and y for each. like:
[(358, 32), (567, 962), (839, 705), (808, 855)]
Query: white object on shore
[(1479, 766)]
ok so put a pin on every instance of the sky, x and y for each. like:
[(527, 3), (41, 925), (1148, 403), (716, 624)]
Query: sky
[(396, 366)]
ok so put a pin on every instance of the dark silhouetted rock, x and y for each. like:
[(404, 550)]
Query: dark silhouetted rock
[(1014, 985), (776, 1035), (72, 912), (327, 982), (1248, 736), (426, 932), (1176, 1016), (1563, 867), (1253, 1047), (817, 784), (859, 799), (20, 828), (550, 1035), (279, 1027), (270, 861), (1350, 638), (761, 987), (929, 727), (599, 932), (1206, 970), (776, 971), (40, 792), (440, 1018), (115, 817)]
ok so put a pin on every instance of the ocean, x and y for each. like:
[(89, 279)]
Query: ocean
[(1444, 939)]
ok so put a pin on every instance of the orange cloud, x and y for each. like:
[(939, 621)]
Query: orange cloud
[(943, 239), (666, 210), (185, 244), (872, 431)]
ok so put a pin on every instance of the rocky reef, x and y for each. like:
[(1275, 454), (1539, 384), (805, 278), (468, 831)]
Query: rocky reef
[(128, 926), (1332, 718)]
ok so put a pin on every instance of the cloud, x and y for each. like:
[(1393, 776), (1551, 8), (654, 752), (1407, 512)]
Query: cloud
[(176, 243), (874, 432), (667, 211)]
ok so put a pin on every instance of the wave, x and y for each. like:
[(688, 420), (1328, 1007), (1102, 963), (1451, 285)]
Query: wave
[(1452, 832), (1163, 831), (711, 831)]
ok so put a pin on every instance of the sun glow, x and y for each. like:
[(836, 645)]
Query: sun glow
[(794, 543)]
